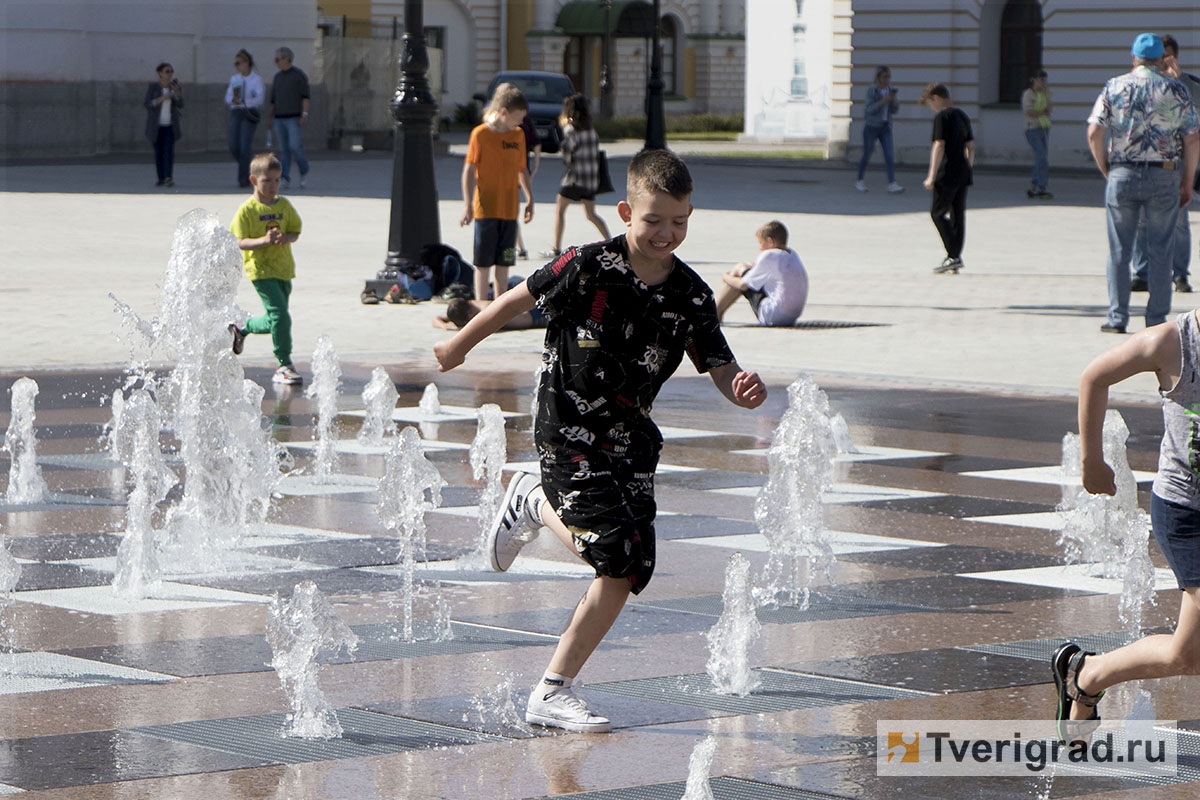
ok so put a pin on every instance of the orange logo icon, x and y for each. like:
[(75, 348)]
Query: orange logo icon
[(908, 751)]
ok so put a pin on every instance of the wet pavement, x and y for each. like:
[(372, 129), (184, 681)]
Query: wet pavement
[(948, 597)]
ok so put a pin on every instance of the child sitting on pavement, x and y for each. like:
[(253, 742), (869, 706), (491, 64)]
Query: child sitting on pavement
[(1172, 352), (266, 226), (776, 284), (460, 311), (622, 313)]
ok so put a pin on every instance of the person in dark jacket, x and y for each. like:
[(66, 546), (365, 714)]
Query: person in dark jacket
[(164, 101)]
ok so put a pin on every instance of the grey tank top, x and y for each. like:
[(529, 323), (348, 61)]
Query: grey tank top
[(1178, 478)]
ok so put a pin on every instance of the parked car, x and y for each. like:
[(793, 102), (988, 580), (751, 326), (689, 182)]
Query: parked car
[(545, 92)]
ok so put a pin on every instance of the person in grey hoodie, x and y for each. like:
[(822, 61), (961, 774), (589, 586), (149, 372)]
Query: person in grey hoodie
[(882, 105)]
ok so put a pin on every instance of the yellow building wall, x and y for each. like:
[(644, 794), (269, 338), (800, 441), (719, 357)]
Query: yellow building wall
[(520, 22), (356, 12)]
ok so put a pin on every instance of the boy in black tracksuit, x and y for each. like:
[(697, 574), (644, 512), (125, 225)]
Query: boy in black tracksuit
[(950, 160)]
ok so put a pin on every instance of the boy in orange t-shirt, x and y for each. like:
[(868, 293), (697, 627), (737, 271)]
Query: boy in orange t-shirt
[(494, 168)]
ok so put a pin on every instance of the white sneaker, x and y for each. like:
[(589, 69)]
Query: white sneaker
[(288, 376), (303, 181), (513, 527), (895, 188), (562, 708), (860, 185)]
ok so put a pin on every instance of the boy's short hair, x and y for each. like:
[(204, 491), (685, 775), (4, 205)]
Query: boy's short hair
[(458, 311), (775, 231), (934, 90), (507, 97), (263, 163), (653, 171)]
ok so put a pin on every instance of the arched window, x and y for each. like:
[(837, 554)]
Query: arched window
[(1020, 47)]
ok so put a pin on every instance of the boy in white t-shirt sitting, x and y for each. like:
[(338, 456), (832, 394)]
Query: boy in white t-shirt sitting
[(776, 284)]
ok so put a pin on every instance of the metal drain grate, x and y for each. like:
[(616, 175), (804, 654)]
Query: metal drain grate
[(722, 789), (364, 734), (377, 642), (821, 607), (1043, 649), (1187, 764), (821, 324), (779, 690)]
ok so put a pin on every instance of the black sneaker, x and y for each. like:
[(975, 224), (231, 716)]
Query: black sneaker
[(1138, 285), (1044, 195), (949, 265), (1106, 328), (239, 338), (1182, 286)]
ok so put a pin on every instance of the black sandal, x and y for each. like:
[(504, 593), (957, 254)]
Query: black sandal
[(1067, 659)]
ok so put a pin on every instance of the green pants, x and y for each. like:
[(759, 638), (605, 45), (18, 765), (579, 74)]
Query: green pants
[(276, 321)]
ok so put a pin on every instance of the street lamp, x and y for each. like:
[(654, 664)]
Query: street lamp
[(656, 128), (414, 211), (606, 103)]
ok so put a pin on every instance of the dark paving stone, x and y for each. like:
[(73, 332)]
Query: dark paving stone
[(72, 498), (364, 734), (68, 389), (78, 430), (1042, 649), (945, 670), (951, 591), (821, 606), (50, 762), (64, 546), (723, 788), (958, 506), (372, 552), (690, 526), (709, 479), (330, 581), (955, 463), (635, 620), (953, 559), (59, 576), (227, 655)]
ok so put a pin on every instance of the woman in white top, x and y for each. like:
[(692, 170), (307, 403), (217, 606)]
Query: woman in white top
[(244, 96)]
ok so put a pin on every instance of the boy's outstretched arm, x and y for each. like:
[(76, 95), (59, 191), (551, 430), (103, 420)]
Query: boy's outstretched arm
[(741, 388), (1154, 350), (453, 351)]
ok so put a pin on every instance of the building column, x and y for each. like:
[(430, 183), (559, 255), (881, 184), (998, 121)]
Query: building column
[(546, 51), (544, 14)]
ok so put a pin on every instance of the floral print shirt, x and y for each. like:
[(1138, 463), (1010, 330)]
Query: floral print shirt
[(1147, 115)]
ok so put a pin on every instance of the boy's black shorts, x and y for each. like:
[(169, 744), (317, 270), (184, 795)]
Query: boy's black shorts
[(608, 505), (755, 296), (495, 242)]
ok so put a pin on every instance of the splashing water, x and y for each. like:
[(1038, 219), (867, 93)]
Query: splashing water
[(25, 484), (231, 464), (729, 640), (496, 709), (841, 435), (699, 765), (1111, 534), (10, 573), (489, 451), (379, 400), (429, 404), (327, 374), (402, 507), (298, 629), (788, 509), (134, 441)]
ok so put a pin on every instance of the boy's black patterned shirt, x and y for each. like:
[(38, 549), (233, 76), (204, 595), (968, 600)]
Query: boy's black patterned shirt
[(612, 342)]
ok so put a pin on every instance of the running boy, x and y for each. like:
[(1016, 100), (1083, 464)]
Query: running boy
[(495, 166), (621, 315), (776, 284), (265, 227), (1172, 353)]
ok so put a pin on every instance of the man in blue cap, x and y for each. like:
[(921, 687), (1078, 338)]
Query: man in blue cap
[(1153, 135)]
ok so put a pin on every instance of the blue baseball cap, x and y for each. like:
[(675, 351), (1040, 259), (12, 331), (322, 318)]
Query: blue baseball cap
[(1147, 45)]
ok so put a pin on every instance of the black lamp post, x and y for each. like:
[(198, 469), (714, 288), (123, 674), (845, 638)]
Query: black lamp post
[(414, 217), (606, 101), (656, 127)]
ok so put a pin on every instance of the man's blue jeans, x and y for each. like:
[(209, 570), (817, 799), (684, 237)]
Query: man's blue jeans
[(884, 134), (289, 145), (1134, 192), (1039, 140), (1181, 253)]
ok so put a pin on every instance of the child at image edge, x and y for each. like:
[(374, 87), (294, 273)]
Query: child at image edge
[(622, 313), (266, 225), (1172, 352), (495, 166)]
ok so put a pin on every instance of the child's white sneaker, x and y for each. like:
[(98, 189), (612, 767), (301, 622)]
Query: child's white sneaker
[(895, 188), (563, 708), (288, 376), (514, 525), (860, 185)]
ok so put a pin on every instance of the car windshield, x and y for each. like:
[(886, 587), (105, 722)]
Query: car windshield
[(550, 89)]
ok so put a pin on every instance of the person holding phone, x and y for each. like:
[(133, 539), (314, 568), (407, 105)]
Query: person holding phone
[(882, 104), (244, 96), (164, 101)]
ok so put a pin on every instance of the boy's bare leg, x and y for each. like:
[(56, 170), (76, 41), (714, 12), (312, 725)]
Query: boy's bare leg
[(598, 609), (560, 220), (500, 285), (483, 277), (726, 294), (589, 208), (1157, 656)]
